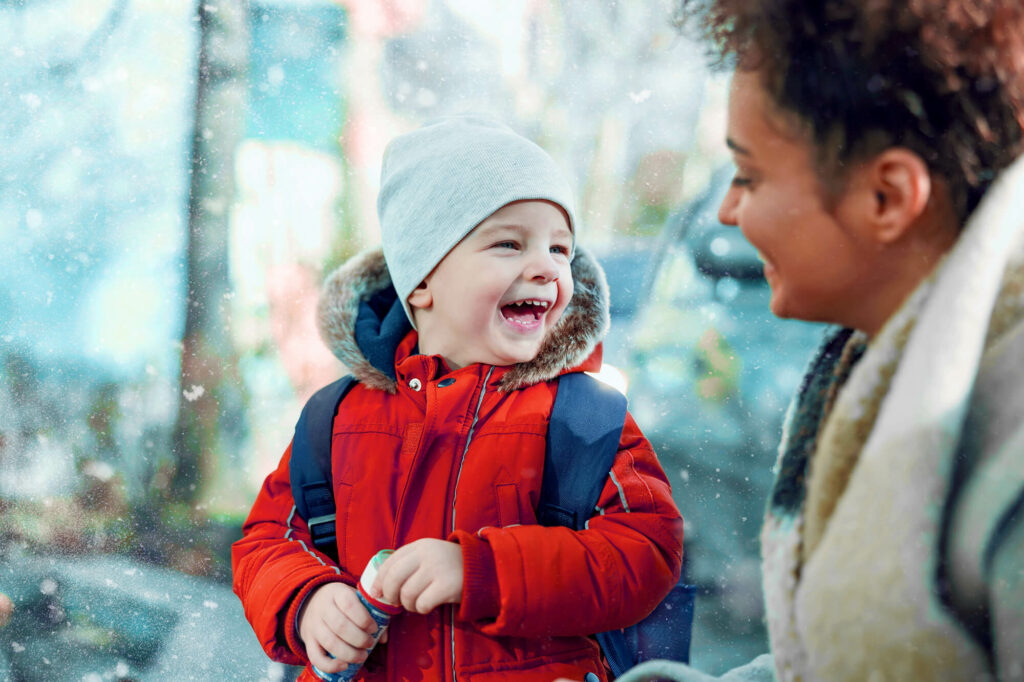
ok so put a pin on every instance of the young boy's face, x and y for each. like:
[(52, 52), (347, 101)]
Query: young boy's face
[(496, 295)]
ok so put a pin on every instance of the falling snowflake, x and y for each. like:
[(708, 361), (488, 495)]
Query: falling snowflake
[(639, 97), (194, 393), (34, 218)]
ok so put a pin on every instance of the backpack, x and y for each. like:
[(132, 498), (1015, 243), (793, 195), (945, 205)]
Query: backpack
[(583, 438)]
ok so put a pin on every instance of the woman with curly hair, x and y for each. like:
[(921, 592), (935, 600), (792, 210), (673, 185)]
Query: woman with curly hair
[(877, 146)]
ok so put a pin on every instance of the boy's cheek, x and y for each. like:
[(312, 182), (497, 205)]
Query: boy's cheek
[(564, 296)]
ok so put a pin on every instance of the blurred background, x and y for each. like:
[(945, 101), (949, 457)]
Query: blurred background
[(176, 178)]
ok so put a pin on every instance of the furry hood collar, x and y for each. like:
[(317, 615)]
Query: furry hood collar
[(361, 322)]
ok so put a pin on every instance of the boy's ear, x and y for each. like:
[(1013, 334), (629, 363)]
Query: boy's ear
[(901, 186), (421, 297)]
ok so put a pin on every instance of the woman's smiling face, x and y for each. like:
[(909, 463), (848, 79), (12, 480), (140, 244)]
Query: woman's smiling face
[(816, 258)]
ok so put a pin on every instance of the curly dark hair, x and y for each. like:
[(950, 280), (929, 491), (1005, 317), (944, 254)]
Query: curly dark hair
[(943, 78)]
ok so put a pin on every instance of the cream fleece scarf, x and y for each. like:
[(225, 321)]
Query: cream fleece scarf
[(850, 576)]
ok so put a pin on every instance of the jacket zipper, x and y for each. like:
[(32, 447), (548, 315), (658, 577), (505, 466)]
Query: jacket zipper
[(455, 493)]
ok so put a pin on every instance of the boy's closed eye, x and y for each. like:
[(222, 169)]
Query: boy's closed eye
[(558, 248)]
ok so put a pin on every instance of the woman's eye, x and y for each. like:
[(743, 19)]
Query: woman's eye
[(740, 181)]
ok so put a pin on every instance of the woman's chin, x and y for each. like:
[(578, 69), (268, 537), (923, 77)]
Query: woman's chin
[(778, 306)]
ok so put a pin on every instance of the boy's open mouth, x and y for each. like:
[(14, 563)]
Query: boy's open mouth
[(526, 312)]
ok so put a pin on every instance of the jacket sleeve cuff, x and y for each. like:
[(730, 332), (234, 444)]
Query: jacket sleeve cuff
[(291, 617), (480, 595)]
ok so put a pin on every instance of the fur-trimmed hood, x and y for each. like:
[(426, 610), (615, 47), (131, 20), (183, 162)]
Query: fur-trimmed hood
[(362, 322)]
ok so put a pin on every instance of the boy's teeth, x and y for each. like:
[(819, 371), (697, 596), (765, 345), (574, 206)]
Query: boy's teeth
[(532, 301)]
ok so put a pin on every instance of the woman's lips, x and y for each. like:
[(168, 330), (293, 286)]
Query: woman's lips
[(767, 266)]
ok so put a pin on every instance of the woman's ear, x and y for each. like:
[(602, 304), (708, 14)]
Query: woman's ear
[(902, 186), (421, 297)]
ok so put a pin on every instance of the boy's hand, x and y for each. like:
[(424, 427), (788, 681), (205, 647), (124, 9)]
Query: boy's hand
[(421, 576), (334, 622)]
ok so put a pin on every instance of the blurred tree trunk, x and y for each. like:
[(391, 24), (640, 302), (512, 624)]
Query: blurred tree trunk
[(210, 406)]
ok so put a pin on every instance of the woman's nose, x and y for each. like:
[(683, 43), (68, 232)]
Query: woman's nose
[(727, 213)]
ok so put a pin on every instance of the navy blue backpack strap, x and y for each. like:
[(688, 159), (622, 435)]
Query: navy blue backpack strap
[(310, 465), (583, 439)]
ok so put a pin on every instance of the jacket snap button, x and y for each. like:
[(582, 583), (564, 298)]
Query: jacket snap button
[(415, 384), (445, 382)]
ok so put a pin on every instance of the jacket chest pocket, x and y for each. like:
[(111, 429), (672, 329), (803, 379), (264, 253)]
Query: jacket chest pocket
[(501, 478), (507, 498), (365, 482)]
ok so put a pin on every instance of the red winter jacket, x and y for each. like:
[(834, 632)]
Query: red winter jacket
[(459, 455)]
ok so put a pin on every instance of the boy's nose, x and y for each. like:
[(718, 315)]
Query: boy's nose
[(542, 268)]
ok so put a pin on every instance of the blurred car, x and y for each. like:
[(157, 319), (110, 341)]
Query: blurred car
[(710, 373), (628, 266), (108, 617)]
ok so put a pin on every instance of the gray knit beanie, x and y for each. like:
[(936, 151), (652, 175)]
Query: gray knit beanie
[(439, 182)]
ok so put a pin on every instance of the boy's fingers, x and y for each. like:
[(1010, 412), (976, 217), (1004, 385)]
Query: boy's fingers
[(350, 633), (427, 601), (393, 575), (319, 657), (412, 589), (377, 588), (338, 650), (352, 609), (435, 594)]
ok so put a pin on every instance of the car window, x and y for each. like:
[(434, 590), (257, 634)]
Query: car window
[(711, 372)]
